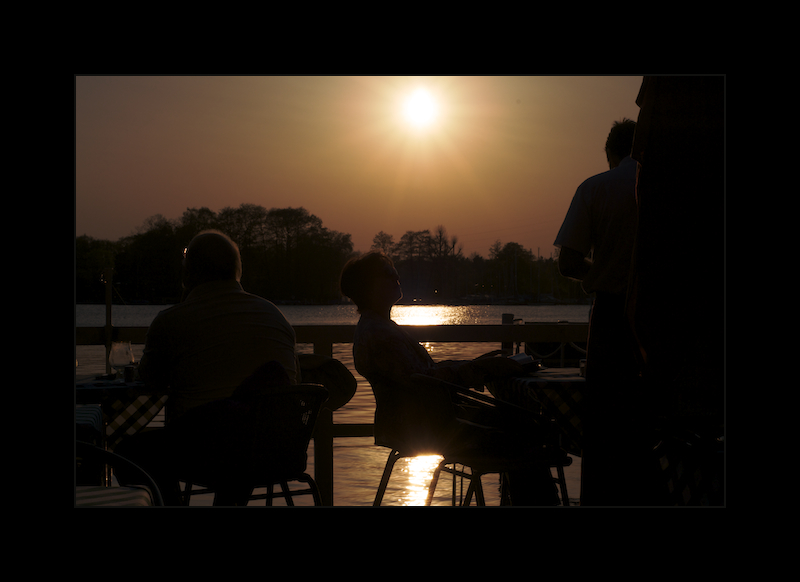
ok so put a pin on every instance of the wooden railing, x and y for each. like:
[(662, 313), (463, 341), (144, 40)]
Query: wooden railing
[(324, 336)]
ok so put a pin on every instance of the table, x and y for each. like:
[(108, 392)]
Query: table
[(553, 392), (127, 406)]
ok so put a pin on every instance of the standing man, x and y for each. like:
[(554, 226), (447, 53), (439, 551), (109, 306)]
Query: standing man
[(596, 241), (676, 303)]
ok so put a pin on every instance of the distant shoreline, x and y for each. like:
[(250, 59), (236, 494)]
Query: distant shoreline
[(505, 301)]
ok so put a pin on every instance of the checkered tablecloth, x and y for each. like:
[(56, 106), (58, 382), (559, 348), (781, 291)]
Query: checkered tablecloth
[(128, 417), (127, 408), (555, 392)]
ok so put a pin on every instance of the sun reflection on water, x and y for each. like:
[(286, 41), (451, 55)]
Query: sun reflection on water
[(429, 315), (437, 315), (418, 471)]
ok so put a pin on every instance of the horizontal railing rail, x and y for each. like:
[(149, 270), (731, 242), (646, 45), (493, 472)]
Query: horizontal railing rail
[(323, 337)]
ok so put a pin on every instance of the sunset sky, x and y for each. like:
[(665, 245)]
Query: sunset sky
[(490, 158)]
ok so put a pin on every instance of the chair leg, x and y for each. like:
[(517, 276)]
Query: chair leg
[(237, 495), (186, 494), (562, 484), (476, 488), (505, 494), (387, 472), (434, 481), (480, 501), (286, 494), (453, 488), (314, 491)]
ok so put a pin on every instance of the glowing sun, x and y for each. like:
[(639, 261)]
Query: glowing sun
[(420, 109)]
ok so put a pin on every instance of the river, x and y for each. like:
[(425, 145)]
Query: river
[(357, 462), (142, 315)]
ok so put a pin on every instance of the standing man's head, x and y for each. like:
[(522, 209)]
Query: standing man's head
[(211, 256), (620, 141)]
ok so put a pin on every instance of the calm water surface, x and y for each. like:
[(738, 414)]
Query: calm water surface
[(358, 464), (142, 315)]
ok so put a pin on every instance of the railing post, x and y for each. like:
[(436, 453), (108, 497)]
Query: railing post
[(323, 349), (108, 274), (507, 319), (323, 456), (563, 344), (323, 441)]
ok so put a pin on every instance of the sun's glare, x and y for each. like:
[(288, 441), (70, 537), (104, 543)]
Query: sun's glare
[(420, 109)]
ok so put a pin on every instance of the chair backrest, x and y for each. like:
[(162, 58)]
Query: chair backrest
[(410, 415), (280, 426), (331, 373)]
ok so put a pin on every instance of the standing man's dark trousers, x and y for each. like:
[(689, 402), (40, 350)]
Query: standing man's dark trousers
[(615, 465)]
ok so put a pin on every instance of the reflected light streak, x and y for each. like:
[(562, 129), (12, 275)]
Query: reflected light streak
[(428, 315), (419, 472), (419, 314)]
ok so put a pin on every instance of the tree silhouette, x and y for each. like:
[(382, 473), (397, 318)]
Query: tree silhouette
[(288, 255)]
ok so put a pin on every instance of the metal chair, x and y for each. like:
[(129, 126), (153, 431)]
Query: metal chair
[(137, 481), (90, 429), (554, 452), (439, 408), (478, 467), (268, 449)]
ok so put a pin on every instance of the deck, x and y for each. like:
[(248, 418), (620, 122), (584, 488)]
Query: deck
[(352, 481)]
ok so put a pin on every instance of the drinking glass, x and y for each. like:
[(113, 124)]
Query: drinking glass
[(121, 355)]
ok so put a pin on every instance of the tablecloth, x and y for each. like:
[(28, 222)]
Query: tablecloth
[(554, 392), (127, 407)]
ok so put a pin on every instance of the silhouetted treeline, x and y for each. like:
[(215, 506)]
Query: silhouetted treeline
[(433, 268), (288, 256)]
